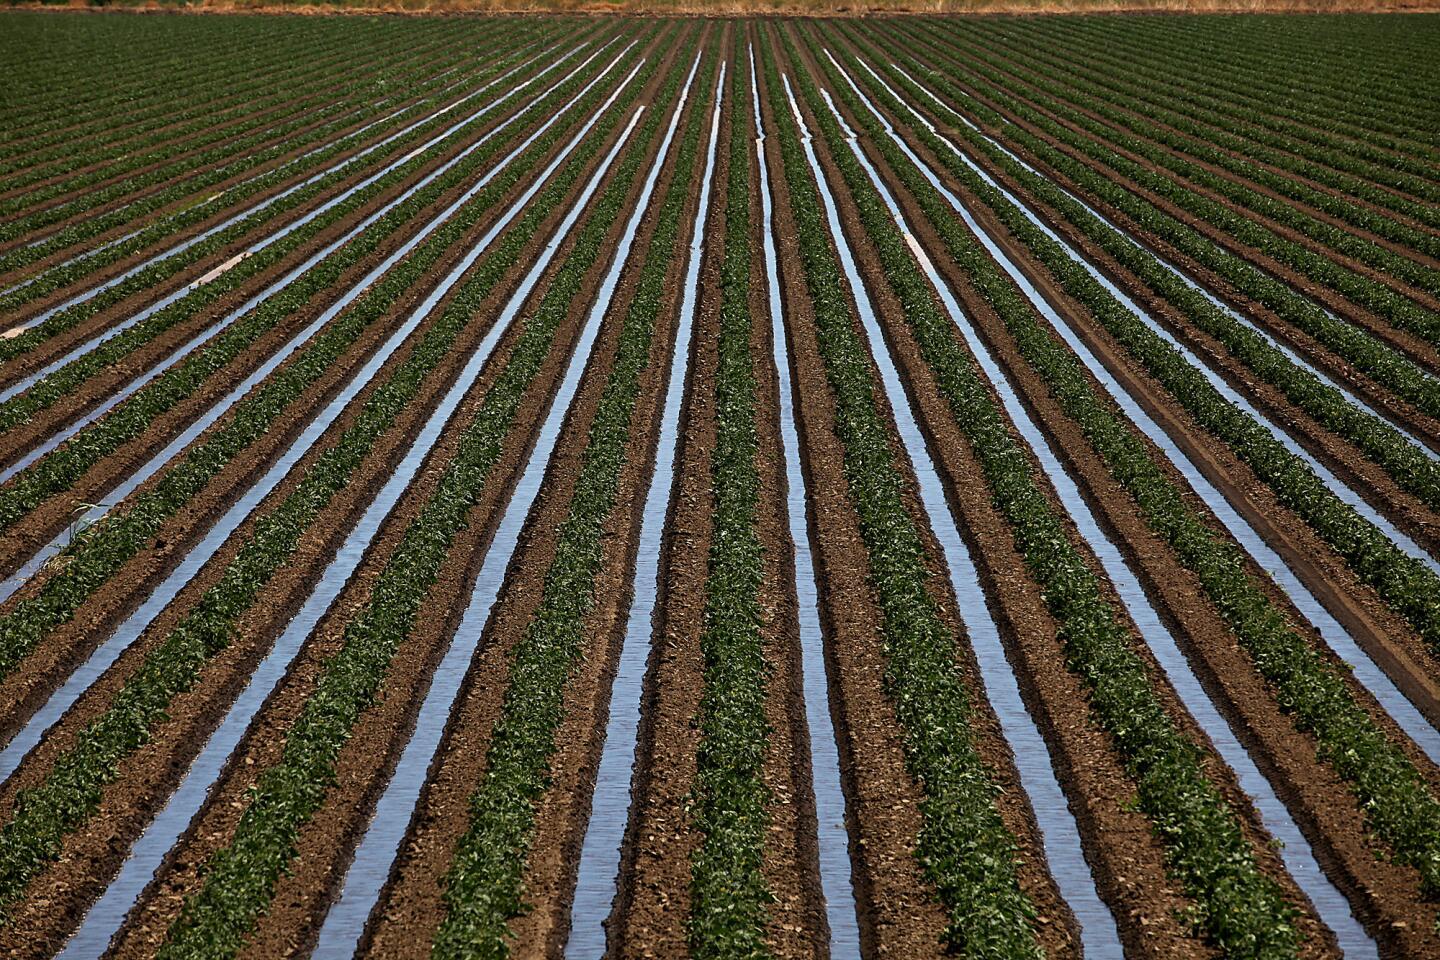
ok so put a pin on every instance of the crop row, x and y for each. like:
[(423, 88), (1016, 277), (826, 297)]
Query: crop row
[(131, 418), (1400, 807), (1238, 906), (484, 885), (117, 141), (107, 545), (1373, 436), (1366, 353), (329, 161), (240, 878), (1239, 229), (1168, 150), (1136, 90), (40, 196), (51, 111), (964, 848), (1250, 111), (184, 191), (729, 895), (70, 794), (1269, 98), (1350, 96), (1406, 584), (120, 110)]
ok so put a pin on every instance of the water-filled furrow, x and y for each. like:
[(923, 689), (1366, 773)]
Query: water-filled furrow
[(148, 853), (1364, 669), (199, 555), (832, 833), (294, 161), (1059, 832), (1349, 396), (199, 339), (94, 512), (599, 864), (175, 295), (90, 252), (1330, 905), (375, 856)]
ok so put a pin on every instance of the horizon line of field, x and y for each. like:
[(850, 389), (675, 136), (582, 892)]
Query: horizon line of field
[(934, 519)]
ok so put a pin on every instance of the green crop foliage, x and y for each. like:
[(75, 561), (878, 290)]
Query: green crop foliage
[(964, 848), (484, 888), (70, 794), (90, 563), (240, 878), (728, 893), (1400, 808), (1406, 584), (1236, 905)]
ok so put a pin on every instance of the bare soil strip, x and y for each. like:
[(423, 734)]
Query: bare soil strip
[(1387, 896), (411, 908), (93, 855), (1417, 349), (326, 841)]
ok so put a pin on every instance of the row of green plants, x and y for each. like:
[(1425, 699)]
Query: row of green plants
[(484, 886), (1169, 150), (1384, 302), (1406, 584), (105, 92), (1241, 909), (61, 383), (106, 546), (1354, 95), (1138, 92), (195, 215), (68, 797), (1324, 102), (964, 848), (1258, 112), (730, 801), (261, 143), (1374, 437), (240, 878), (1400, 808), (58, 471), (190, 201), (1118, 102), (1363, 351), (164, 266), (84, 182), (281, 68)]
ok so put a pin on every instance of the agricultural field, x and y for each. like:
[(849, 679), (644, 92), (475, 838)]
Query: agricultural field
[(780, 488)]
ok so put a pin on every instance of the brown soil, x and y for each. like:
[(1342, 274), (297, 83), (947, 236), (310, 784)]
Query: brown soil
[(147, 778), (412, 910), (53, 347), (53, 516), (326, 841), (1386, 897), (1413, 346)]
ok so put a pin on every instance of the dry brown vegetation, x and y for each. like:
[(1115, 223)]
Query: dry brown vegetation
[(752, 7)]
